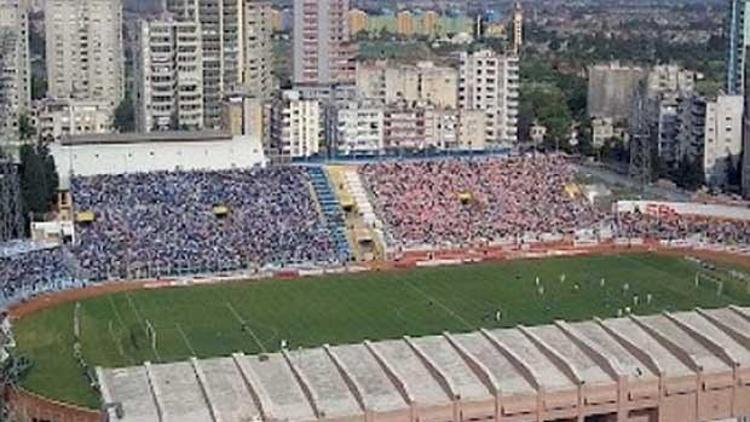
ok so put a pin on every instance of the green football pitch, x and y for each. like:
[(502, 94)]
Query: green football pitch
[(172, 324)]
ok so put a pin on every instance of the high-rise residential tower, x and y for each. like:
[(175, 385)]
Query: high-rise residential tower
[(236, 49), (738, 35), (323, 52), (517, 28), (168, 75), (84, 50), (15, 77), (490, 82)]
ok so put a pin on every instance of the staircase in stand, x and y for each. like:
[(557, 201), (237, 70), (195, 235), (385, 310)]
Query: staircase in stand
[(331, 210)]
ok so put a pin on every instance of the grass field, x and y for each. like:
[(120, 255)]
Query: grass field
[(208, 320)]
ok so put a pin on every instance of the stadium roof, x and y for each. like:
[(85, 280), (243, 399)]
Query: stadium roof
[(139, 138), (568, 365)]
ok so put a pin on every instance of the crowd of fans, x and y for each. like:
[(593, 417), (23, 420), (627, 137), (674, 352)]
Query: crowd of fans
[(468, 201), (171, 223), (679, 227), (160, 223), (33, 271)]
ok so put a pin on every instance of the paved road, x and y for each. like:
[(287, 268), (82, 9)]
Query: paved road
[(614, 178)]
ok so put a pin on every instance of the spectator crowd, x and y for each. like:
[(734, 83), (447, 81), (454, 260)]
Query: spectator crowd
[(29, 271), (171, 223), (166, 223), (469, 201), (678, 227)]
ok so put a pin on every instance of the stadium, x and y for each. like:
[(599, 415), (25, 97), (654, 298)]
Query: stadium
[(457, 288)]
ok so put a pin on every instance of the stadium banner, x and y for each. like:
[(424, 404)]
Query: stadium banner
[(677, 243), (311, 272), (658, 208), (290, 273), (625, 241), (585, 243), (439, 262), (549, 237), (336, 270)]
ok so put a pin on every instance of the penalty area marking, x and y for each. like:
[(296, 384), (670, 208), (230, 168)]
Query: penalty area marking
[(244, 325)]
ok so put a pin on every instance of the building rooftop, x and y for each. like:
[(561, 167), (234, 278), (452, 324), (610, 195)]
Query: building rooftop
[(345, 382)]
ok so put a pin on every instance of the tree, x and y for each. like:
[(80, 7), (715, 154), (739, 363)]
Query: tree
[(125, 115), (690, 173), (38, 87), (39, 179), (26, 129), (734, 171)]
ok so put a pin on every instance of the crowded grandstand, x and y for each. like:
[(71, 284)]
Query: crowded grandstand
[(168, 223), (469, 201), (183, 223)]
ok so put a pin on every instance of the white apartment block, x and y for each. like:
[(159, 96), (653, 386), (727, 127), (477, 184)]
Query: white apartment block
[(471, 130), (84, 50), (296, 127), (323, 52), (442, 128), (723, 138), (671, 79), (236, 49), (490, 82), (393, 82), (358, 128), (58, 118), (169, 76), (15, 77)]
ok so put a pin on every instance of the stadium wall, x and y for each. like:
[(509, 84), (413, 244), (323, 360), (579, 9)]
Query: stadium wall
[(133, 153), (27, 406)]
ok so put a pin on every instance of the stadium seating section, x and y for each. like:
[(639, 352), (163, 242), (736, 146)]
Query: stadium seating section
[(149, 225), (165, 223)]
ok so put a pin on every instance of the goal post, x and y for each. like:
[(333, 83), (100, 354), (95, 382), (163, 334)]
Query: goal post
[(703, 278)]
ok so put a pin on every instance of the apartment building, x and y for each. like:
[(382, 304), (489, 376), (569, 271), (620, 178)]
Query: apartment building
[(84, 50), (430, 23), (169, 75), (517, 27), (296, 128), (723, 138), (15, 80), (405, 23), (357, 21), (323, 51), (490, 82), (471, 130), (671, 79), (15, 77), (611, 90), (58, 118), (442, 128), (405, 128), (236, 49), (394, 82), (358, 127)]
